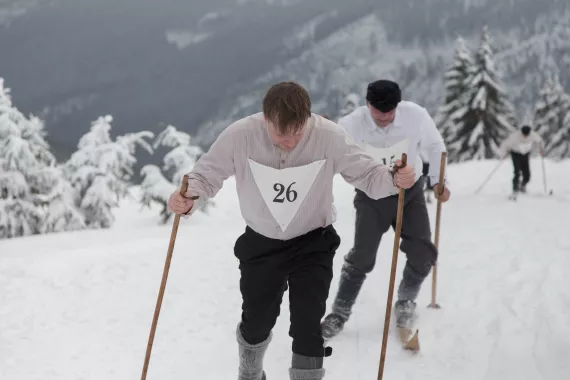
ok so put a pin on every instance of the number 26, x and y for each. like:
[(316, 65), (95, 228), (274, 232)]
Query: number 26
[(290, 194)]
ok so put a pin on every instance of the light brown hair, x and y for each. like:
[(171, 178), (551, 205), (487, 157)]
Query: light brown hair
[(288, 106)]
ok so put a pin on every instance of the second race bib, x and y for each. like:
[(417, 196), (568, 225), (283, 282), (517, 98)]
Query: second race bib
[(388, 156)]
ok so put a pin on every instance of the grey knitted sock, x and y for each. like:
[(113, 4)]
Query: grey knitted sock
[(410, 284), (306, 374), (306, 368), (251, 358)]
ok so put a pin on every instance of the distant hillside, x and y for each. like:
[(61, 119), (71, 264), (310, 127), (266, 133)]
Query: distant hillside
[(368, 49), (200, 65)]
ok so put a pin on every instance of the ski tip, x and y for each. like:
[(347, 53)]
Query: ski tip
[(414, 343), (410, 344)]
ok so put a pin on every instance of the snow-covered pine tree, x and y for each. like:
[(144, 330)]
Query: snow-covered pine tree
[(155, 188), (19, 216), (53, 193), (177, 162), (457, 89), (550, 117), (59, 202), (98, 187), (101, 170), (183, 156), (34, 196), (488, 117), (559, 147)]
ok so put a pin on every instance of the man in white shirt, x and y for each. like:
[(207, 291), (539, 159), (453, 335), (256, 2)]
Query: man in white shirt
[(386, 127), (520, 144), (284, 160)]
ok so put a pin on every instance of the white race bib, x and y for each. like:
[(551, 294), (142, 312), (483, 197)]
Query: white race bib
[(525, 147), (388, 156), (283, 190)]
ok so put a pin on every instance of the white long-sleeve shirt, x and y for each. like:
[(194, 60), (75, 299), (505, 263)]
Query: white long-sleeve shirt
[(282, 194), (519, 143), (413, 131)]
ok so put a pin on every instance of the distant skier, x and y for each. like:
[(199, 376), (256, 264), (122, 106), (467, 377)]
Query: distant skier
[(520, 145), (284, 160), (387, 127)]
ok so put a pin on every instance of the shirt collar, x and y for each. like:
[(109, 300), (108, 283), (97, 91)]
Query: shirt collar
[(395, 124), (398, 118)]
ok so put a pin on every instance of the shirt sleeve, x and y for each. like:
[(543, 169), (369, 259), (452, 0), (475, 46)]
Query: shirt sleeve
[(507, 144), (432, 144), (213, 168), (360, 170)]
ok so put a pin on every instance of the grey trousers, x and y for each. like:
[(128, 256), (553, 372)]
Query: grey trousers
[(373, 219)]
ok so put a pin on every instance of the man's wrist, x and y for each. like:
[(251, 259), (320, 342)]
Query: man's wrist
[(437, 185)]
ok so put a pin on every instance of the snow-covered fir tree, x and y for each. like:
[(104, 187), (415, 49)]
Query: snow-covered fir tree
[(559, 147), (101, 170), (34, 195), (457, 90), (182, 156), (178, 161), (488, 117), (59, 201), (156, 189), (552, 117)]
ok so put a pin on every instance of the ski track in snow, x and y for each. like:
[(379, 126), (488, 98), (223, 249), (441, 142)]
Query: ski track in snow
[(78, 306)]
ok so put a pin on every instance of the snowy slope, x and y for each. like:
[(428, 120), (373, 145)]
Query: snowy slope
[(78, 306)]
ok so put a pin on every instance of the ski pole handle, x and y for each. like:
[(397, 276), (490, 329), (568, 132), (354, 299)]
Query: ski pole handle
[(404, 160), (395, 169), (184, 188), (441, 185)]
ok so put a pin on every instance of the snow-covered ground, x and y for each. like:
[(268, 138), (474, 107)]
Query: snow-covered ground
[(78, 306)]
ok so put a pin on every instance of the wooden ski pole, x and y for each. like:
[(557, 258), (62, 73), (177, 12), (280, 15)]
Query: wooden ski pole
[(395, 251), (163, 283), (440, 188), (490, 175)]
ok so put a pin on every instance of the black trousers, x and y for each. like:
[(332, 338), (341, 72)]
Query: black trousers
[(268, 267), (375, 217), (425, 171), (521, 166)]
